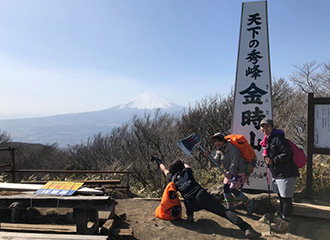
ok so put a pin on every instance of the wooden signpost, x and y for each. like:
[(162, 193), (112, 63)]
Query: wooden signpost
[(253, 84)]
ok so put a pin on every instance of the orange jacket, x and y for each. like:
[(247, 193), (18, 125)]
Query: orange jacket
[(170, 206)]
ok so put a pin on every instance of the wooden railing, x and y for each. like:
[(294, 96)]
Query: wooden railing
[(115, 183)]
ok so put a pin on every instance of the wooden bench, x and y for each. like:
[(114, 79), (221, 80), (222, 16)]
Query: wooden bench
[(45, 236), (85, 208), (14, 171), (49, 228)]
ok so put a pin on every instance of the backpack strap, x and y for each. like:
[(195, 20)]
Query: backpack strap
[(175, 177), (225, 148)]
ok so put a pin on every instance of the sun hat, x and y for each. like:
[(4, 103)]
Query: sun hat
[(267, 121), (218, 136)]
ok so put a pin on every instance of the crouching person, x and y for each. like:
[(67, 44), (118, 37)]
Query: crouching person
[(197, 198)]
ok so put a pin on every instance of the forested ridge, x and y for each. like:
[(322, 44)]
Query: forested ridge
[(130, 146)]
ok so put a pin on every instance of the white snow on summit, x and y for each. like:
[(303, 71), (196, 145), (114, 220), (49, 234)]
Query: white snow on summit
[(148, 100)]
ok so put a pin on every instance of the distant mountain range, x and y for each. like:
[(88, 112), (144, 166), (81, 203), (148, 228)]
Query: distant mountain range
[(76, 128)]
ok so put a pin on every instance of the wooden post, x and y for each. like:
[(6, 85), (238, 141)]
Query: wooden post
[(83, 217), (16, 214), (13, 164), (127, 181), (93, 217), (310, 145), (81, 220)]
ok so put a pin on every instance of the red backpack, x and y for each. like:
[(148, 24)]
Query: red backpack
[(299, 156)]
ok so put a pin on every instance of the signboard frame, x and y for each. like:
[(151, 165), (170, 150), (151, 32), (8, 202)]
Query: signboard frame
[(311, 148)]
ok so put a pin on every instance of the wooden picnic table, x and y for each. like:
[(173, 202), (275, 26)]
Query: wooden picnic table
[(47, 236), (85, 207)]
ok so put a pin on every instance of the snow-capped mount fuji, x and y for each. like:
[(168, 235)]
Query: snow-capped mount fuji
[(149, 100), (76, 128)]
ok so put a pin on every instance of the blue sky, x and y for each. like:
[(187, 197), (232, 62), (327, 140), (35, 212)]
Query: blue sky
[(69, 56)]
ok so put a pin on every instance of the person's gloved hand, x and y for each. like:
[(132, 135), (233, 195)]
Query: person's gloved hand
[(158, 161), (228, 175)]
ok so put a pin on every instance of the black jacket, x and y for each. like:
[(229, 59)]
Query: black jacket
[(185, 183), (280, 153)]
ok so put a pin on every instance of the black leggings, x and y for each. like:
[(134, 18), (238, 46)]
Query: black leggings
[(206, 201), (227, 189), (286, 207)]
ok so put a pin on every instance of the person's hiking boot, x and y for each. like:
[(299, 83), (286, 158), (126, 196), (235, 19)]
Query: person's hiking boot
[(265, 218), (252, 234), (272, 218), (190, 219), (280, 225), (250, 207), (230, 207), (277, 220)]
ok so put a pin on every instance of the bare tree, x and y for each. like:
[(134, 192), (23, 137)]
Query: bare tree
[(212, 114), (292, 112), (154, 135), (326, 79), (4, 137), (130, 147), (282, 93), (308, 78), (4, 143)]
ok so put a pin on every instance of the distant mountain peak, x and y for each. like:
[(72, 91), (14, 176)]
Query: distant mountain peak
[(148, 100), (76, 128)]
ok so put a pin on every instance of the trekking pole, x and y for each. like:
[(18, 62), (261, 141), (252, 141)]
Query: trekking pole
[(269, 199), (216, 164), (158, 170), (189, 143), (212, 160)]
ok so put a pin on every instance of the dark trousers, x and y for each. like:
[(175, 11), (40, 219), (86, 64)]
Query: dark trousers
[(206, 201), (286, 207)]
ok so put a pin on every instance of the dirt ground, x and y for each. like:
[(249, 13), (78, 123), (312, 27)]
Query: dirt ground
[(139, 214)]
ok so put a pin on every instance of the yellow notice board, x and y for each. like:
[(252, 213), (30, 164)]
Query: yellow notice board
[(59, 188)]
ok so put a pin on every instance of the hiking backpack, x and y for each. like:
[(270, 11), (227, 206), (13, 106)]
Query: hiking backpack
[(170, 206), (299, 156), (245, 149)]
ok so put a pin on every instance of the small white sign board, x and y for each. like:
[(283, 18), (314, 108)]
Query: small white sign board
[(322, 126)]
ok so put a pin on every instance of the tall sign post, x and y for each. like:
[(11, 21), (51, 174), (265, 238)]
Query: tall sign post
[(318, 134), (253, 83)]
